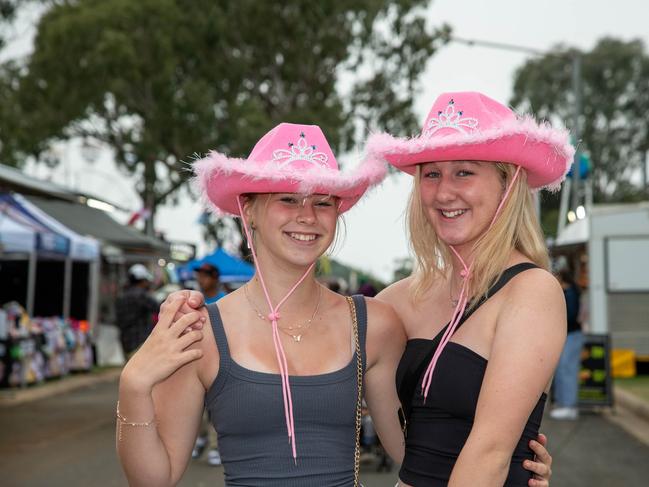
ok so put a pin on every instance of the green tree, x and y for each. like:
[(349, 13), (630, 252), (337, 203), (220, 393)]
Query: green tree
[(9, 73), (615, 103), (8, 10), (160, 80)]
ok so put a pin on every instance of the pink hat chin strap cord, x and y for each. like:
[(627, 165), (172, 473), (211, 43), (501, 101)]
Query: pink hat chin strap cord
[(463, 299), (273, 316)]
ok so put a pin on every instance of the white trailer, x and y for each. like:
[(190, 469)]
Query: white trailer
[(616, 238)]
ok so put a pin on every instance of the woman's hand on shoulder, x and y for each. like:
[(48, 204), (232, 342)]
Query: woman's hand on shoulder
[(193, 300), (167, 348)]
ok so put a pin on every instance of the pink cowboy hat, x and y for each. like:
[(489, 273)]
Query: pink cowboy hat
[(291, 158), (469, 126)]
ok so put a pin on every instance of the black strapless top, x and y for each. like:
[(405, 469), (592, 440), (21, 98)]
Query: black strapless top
[(438, 429)]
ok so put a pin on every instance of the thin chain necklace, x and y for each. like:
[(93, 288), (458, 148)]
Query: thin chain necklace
[(301, 328)]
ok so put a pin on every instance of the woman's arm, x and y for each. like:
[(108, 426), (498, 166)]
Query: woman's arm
[(161, 383), (529, 336), (385, 343)]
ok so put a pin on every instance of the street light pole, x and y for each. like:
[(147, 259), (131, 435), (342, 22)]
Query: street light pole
[(576, 88), (498, 45)]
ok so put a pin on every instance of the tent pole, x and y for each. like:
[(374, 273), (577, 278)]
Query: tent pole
[(31, 283), (67, 288), (93, 296)]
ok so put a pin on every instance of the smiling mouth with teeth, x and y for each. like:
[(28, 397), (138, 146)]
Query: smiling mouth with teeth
[(303, 237), (452, 214)]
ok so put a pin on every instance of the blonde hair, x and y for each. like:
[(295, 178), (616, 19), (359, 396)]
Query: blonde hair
[(516, 228)]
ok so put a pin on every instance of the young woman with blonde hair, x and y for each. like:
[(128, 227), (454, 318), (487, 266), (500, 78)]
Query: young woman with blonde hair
[(485, 319)]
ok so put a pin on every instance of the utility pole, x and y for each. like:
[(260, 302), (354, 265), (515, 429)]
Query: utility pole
[(576, 88), (645, 176)]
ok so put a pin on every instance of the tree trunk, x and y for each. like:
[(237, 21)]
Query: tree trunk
[(149, 199)]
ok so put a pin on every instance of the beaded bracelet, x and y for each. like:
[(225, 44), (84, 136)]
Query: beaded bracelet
[(122, 421)]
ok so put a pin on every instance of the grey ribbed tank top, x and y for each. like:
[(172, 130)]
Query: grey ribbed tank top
[(247, 411)]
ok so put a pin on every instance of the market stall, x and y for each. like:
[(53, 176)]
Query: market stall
[(39, 259), (81, 272)]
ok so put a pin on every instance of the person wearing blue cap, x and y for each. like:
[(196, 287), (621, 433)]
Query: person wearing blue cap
[(208, 277)]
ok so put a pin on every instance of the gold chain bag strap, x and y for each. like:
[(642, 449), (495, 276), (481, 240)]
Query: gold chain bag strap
[(359, 398)]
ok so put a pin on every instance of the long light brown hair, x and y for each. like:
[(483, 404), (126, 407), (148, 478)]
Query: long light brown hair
[(516, 228)]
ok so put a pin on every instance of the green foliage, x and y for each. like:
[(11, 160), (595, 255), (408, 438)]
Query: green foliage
[(9, 11), (615, 103), (161, 80)]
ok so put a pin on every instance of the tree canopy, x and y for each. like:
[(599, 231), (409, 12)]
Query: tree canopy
[(615, 103), (160, 80), (8, 9)]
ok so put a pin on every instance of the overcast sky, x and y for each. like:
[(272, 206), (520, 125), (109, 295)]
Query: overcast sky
[(375, 230)]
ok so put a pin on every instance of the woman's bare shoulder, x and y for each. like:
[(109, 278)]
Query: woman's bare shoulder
[(380, 310), (535, 285), (396, 291), (534, 298)]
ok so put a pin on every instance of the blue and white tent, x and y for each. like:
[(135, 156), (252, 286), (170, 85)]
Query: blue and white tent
[(16, 238), (27, 230), (82, 248), (47, 241)]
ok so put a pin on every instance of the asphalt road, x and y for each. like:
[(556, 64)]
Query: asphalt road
[(68, 440)]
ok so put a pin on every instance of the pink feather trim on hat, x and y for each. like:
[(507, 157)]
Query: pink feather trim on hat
[(291, 158)]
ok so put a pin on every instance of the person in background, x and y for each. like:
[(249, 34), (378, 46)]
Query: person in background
[(334, 286), (208, 277), (367, 289), (135, 309), (566, 377)]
